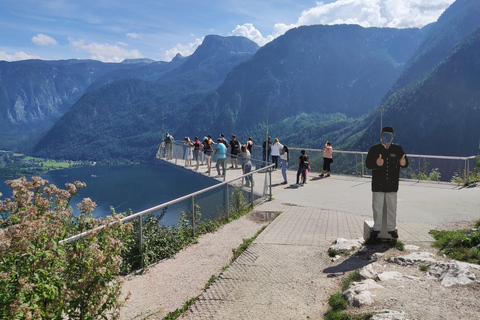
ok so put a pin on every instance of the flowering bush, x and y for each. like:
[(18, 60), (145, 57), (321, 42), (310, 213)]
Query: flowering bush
[(44, 278)]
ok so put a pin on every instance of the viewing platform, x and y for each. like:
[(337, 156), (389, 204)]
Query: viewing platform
[(286, 272)]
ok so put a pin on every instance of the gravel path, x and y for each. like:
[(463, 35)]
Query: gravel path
[(167, 285)]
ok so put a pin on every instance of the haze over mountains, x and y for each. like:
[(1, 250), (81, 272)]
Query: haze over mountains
[(318, 82)]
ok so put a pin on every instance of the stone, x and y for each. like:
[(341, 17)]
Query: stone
[(390, 275), (387, 314), (344, 245), (413, 257), (358, 294), (368, 272), (411, 247), (450, 274)]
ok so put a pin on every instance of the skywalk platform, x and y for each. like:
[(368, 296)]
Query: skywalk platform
[(286, 272)]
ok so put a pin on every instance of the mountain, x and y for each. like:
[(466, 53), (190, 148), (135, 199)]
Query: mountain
[(323, 69), (123, 119), (458, 21), (438, 114), (34, 94)]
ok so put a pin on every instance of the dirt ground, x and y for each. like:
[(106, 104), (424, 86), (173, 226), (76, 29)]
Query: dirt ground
[(415, 294)]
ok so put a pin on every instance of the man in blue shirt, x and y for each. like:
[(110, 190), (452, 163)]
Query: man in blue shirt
[(221, 157)]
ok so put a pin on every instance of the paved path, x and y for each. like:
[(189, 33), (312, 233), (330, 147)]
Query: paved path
[(284, 273)]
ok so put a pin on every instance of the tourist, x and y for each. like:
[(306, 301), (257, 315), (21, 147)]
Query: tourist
[(198, 147), (169, 145), (327, 159), (249, 145), (208, 151), (275, 151), (266, 146), (188, 151), (234, 146), (303, 165), (385, 160), (284, 157), (245, 157), (224, 141), (221, 157)]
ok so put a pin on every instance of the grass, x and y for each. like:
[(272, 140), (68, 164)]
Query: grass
[(423, 267), (460, 245)]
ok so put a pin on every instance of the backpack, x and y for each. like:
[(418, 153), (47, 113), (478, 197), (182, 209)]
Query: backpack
[(306, 163), (236, 145)]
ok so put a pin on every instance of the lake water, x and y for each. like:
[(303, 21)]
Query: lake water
[(136, 187)]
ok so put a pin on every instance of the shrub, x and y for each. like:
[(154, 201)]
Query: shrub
[(337, 302), (44, 278)]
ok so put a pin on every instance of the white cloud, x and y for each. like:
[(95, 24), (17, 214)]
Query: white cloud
[(134, 35), (247, 30), (16, 56), (43, 40), (106, 52), (375, 13), (184, 50), (367, 13)]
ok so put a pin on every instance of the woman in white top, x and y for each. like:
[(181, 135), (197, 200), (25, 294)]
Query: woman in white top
[(189, 152), (276, 149)]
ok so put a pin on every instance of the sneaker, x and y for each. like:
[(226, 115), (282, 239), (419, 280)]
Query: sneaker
[(328, 175), (374, 234), (394, 234), (322, 175)]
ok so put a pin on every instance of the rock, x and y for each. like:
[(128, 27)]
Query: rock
[(389, 315), (450, 274), (390, 275), (368, 272), (413, 257), (358, 294), (411, 247), (376, 256), (344, 245)]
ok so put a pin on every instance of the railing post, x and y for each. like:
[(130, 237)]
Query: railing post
[(363, 167), (227, 202), (251, 190), (140, 240), (270, 184), (467, 170), (193, 215)]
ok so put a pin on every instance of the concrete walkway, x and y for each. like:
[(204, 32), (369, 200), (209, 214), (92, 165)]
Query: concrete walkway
[(284, 273)]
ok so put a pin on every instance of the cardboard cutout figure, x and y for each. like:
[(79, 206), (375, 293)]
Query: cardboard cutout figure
[(385, 160)]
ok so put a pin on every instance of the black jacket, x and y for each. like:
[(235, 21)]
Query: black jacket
[(385, 178)]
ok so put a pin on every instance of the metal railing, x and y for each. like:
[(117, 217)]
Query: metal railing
[(216, 201), (421, 167)]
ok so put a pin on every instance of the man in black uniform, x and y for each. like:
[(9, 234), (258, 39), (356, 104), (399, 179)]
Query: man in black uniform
[(385, 160)]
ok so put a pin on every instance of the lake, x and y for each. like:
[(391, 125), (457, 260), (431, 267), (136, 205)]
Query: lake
[(136, 187)]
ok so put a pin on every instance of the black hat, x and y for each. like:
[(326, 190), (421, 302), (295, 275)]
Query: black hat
[(387, 129), (221, 135)]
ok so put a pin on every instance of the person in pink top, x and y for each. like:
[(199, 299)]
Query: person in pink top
[(327, 159)]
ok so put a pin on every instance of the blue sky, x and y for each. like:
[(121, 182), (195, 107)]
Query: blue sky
[(111, 31)]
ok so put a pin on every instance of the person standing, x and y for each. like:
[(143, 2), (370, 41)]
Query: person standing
[(188, 151), (303, 166), (208, 150), (197, 148), (234, 146), (221, 157), (284, 157), (276, 149), (169, 145), (249, 145), (327, 159), (385, 160), (246, 165), (266, 146)]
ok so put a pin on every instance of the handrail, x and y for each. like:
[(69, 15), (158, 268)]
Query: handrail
[(166, 204)]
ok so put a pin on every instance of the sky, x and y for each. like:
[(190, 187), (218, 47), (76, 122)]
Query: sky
[(114, 30)]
